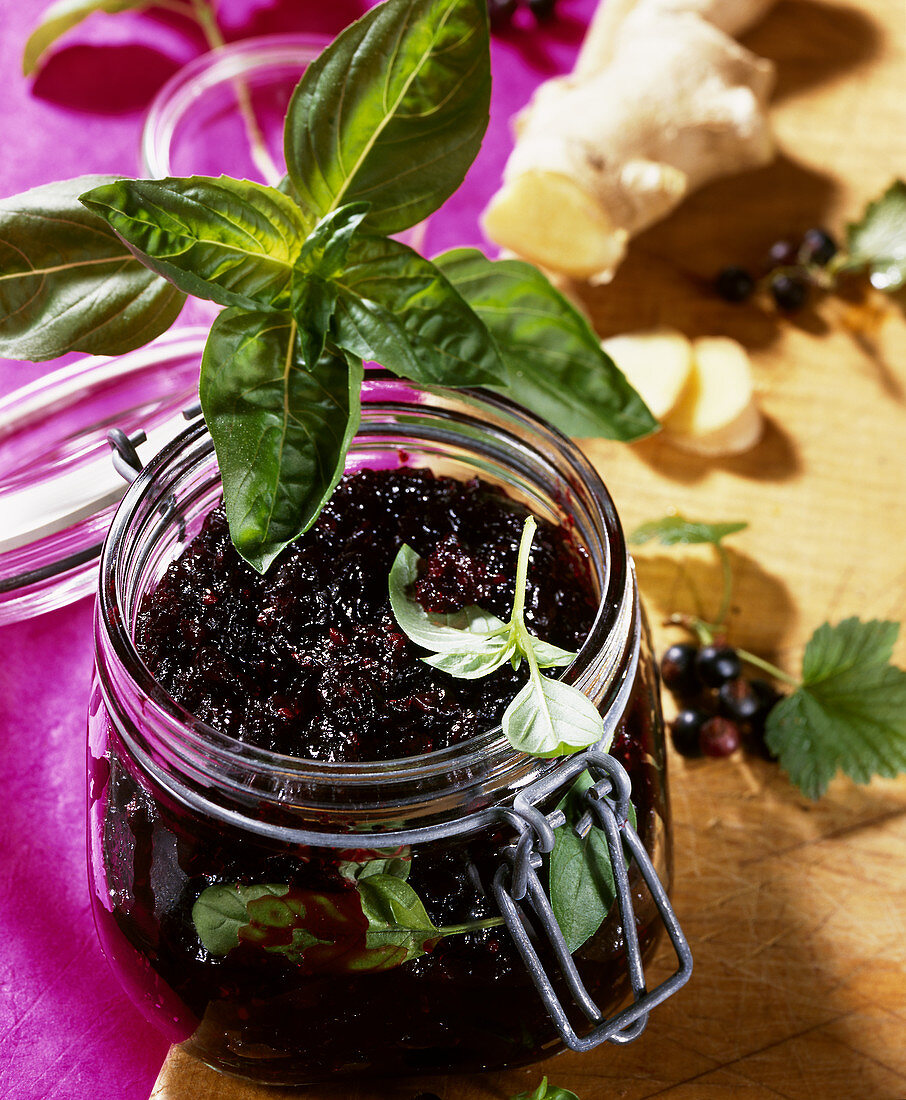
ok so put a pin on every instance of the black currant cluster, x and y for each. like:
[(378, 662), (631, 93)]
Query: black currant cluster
[(791, 271), (720, 710), (501, 12)]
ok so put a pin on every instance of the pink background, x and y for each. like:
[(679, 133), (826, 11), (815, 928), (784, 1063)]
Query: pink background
[(66, 1029)]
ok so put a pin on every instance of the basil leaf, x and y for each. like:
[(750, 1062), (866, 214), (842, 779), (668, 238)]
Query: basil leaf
[(325, 250), (232, 241), (849, 714), (472, 664), (470, 628), (221, 911), (582, 886), (397, 865), (878, 241), (550, 718), (396, 307), (546, 1092), (60, 17), (396, 917), (392, 112), (676, 530), (554, 362), (549, 656), (67, 283), (281, 426)]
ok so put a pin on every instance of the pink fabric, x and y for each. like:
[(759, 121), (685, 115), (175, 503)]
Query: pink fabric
[(66, 1029)]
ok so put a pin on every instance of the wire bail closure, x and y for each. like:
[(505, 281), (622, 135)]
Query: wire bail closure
[(607, 807)]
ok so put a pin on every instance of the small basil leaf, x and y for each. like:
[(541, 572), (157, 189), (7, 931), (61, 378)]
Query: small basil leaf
[(222, 910), (550, 718), (470, 628), (555, 364), (471, 663), (396, 307), (67, 283), (281, 426), (549, 656), (392, 112), (546, 1092), (232, 241), (325, 250), (396, 917), (398, 866), (60, 17), (582, 887)]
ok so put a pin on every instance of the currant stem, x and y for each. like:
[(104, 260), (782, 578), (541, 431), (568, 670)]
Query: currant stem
[(766, 666)]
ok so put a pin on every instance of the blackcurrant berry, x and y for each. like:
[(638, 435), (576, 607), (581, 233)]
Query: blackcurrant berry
[(782, 254), (734, 284), (678, 670), (818, 247), (719, 737), (789, 291), (716, 664), (542, 9), (500, 12), (685, 730), (738, 700)]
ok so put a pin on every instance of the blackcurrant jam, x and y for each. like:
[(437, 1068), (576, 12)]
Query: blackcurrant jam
[(294, 822)]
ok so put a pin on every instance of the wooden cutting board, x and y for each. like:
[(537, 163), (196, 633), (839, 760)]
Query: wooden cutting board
[(796, 911)]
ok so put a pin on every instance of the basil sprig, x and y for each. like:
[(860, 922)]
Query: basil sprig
[(379, 133), (548, 717)]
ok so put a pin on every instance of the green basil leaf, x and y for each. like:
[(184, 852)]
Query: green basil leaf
[(549, 656), (392, 112), (676, 530), (555, 364), (396, 917), (582, 887), (396, 307), (281, 426), (469, 629), (878, 241), (222, 910), (232, 241), (397, 865), (550, 718), (324, 251), (60, 17), (470, 663), (67, 283), (546, 1092)]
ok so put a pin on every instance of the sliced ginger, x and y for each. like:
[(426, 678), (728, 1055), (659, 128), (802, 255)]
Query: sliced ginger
[(657, 362), (716, 414)]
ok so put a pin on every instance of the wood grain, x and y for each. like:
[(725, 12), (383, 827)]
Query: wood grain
[(796, 911)]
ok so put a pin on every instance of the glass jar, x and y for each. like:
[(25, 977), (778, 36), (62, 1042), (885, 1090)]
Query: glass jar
[(177, 809)]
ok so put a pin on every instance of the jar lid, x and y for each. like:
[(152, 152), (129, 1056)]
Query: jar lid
[(58, 484)]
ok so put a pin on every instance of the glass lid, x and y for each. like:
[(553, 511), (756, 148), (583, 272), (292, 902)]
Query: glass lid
[(58, 484)]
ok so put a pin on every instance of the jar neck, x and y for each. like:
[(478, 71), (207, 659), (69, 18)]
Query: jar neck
[(302, 801)]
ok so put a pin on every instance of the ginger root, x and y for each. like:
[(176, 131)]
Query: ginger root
[(659, 104)]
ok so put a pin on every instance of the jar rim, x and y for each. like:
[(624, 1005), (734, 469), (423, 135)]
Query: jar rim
[(199, 738)]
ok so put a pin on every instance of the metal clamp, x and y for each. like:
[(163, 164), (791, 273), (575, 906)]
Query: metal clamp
[(608, 808)]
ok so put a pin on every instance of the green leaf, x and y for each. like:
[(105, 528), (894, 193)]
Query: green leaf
[(232, 241), (546, 1092), (555, 364), (676, 530), (582, 887), (221, 911), (281, 426), (67, 283), (849, 714), (549, 656), (396, 865), (470, 663), (396, 307), (61, 17), (878, 241), (392, 112), (550, 718), (456, 632), (397, 921), (327, 246)]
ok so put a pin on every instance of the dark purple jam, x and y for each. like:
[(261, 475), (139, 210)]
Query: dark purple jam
[(308, 660)]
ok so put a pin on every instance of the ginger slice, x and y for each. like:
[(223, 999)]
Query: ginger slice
[(657, 363)]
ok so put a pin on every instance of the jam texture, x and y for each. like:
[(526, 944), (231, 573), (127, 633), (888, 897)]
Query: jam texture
[(308, 660)]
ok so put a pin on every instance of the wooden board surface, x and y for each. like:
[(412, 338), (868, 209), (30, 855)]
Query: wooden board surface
[(796, 911)]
